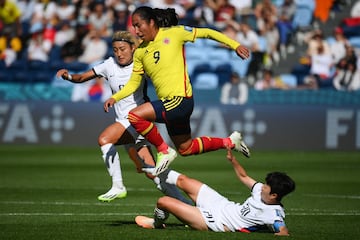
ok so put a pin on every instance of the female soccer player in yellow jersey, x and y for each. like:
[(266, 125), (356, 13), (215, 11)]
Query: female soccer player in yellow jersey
[(117, 70), (161, 56)]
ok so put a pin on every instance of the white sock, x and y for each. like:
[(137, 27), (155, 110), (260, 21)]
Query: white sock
[(112, 162), (172, 177)]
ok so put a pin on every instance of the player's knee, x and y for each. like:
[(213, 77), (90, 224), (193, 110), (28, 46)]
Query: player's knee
[(184, 153), (181, 180), (191, 148), (162, 202), (102, 140), (133, 118), (140, 124)]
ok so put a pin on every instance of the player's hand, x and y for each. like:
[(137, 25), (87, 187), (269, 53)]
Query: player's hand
[(243, 52), (63, 73), (229, 154), (108, 104)]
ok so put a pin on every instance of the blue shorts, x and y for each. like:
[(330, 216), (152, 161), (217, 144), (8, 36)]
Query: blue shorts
[(175, 112)]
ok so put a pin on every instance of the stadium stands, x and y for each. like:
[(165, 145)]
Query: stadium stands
[(205, 58)]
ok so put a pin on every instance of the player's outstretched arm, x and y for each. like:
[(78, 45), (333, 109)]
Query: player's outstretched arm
[(76, 78), (239, 170), (241, 51)]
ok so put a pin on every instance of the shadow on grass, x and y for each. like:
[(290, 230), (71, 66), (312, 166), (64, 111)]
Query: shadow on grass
[(130, 223)]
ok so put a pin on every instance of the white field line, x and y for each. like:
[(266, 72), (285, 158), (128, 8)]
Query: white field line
[(74, 214), (290, 211), (333, 196), (74, 203), (149, 213)]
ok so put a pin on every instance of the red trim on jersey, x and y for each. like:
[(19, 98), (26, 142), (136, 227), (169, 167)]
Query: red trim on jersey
[(194, 34), (185, 67)]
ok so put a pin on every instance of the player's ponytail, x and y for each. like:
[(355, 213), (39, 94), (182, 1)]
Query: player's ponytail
[(166, 17), (161, 17)]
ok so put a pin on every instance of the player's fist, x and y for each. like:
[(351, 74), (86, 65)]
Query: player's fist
[(63, 73)]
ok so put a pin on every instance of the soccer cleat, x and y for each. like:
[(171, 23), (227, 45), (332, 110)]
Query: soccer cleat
[(146, 222), (112, 194), (163, 161), (239, 144)]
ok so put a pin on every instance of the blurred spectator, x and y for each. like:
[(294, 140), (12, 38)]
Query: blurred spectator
[(65, 10), (338, 46), (321, 67), (265, 5), (39, 47), (268, 30), (10, 18), (347, 74), (95, 48), (27, 8), (235, 91), (189, 7), (204, 15), (242, 7), (250, 39), (73, 49), (83, 11), (44, 12), (121, 19), (49, 33), (284, 23), (268, 81), (100, 19), (10, 46), (223, 12), (355, 10), (64, 34), (316, 40), (7, 55)]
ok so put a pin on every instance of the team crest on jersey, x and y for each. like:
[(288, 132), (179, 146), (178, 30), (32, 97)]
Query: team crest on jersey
[(166, 41), (187, 28)]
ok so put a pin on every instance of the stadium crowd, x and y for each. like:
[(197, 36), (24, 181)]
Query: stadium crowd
[(39, 37)]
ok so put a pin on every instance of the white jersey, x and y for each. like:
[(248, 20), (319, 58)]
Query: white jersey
[(219, 212), (117, 76)]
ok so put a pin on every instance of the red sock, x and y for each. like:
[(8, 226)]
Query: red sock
[(227, 142), (203, 144), (148, 130)]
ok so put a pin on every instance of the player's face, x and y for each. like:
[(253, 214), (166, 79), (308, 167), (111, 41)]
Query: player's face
[(123, 52), (266, 196), (143, 29)]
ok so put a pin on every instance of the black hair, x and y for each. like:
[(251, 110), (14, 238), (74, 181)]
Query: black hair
[(280, 183), (162, 17)]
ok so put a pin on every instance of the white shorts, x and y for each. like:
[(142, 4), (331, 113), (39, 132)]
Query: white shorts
[(209, 202)]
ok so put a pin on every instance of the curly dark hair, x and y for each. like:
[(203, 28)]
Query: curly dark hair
[(162, 17)]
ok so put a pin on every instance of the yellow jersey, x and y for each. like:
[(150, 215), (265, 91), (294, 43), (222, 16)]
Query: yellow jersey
[(163, 61)]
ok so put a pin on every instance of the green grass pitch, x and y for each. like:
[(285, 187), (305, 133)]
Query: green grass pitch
[(51, 193)]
